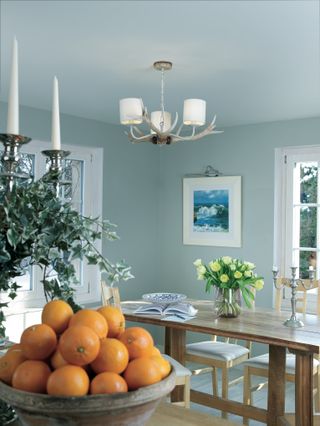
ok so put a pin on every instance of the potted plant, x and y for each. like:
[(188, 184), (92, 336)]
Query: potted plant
[(37, 228)]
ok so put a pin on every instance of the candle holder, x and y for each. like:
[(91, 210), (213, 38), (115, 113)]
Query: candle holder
[(11, 156), (293, 283), (56, 158)]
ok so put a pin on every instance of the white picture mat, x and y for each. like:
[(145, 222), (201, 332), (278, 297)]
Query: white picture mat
[(231, 238)]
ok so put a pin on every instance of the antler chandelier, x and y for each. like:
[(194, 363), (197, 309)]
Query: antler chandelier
[(133, 112)]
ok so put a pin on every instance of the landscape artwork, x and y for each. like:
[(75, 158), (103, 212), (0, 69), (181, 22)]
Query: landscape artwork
[(211, 210)]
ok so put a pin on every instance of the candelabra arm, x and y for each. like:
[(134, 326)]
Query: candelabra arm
[(10, 158), (293, 283), (276, 283), (56, 159), (310, 284), (293, 321)]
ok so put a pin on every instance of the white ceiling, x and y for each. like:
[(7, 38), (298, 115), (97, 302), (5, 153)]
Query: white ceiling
[(253, 61)]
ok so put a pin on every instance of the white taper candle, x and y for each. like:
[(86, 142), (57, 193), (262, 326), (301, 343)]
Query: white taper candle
[(55, 132), (13, 100)]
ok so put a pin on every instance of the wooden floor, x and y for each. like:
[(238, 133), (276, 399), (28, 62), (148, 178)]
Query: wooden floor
[(203, 383)]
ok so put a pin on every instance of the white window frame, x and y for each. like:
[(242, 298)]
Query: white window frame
[(283, 212), (90, 291)]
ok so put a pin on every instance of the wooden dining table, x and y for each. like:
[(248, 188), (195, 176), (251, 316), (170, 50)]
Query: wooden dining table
[(256, 325)]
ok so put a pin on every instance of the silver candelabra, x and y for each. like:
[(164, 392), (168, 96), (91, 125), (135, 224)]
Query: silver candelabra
[(11, 157), (293, 282)]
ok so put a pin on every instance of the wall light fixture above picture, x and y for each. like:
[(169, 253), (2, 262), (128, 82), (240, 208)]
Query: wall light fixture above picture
[(133, 112)]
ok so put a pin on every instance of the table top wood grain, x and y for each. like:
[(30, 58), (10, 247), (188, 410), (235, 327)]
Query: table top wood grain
[(257, 325), (168, 414)]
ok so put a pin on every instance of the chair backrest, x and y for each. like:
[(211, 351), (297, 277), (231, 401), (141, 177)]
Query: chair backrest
[(110, 295), (302, 293)]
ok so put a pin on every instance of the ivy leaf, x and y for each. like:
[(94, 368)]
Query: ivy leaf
[(13, 237)]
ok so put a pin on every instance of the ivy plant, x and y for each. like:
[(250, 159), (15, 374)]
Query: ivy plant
[(37, 228)]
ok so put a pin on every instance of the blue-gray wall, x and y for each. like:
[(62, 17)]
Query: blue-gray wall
[(142, 193), (130, 176), (247, 151)]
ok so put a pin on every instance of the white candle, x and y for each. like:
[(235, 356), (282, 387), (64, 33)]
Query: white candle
[(310, 268), (274, 268), (55, 130), (13, 100)]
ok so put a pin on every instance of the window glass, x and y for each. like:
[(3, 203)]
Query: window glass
[(297, 215), (305, 215), (308, 226), (308, 182), (80, 185)]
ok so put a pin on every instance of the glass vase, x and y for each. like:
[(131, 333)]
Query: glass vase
[(227, 302)]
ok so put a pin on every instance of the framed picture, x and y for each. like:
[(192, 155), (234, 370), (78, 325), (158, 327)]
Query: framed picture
[(212, 211)]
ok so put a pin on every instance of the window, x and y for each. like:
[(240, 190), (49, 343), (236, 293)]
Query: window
[(297, 210), (84, 176)]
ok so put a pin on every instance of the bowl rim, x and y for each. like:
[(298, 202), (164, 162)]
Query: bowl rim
[(154, 297), (36, 402)]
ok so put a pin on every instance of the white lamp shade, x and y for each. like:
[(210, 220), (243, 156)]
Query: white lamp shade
[(131, 111), (156, 119), (194, 112)]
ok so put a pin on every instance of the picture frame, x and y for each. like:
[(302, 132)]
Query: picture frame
[(212, 211)]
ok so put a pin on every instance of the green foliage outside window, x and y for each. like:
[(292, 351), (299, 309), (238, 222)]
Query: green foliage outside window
[(308, 215)]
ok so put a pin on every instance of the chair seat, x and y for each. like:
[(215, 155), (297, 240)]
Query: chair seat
[(262, 361), (216, 350), (180, 370)]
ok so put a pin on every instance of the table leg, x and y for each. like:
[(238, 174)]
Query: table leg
[(276, 384), (304, 389), (175, 346)]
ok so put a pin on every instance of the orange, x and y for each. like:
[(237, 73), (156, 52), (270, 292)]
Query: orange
[(163, 364), (57, 360), (155, 351), (14, 346), (114, 318), (38, 342), (9, 362), (91, 319), (113, 356), (108, 383), (79, 345), (69, 380), (31, 376), (57, 314), (138, 341), (142, 372)]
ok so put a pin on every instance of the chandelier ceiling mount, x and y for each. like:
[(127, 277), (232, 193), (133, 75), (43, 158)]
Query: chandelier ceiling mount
[(161, 129), (162, 65)]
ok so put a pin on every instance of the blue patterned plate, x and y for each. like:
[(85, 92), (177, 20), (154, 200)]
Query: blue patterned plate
[(163, 298)]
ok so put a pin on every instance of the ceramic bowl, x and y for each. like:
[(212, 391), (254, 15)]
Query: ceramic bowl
[(124, 409), (164, 298)]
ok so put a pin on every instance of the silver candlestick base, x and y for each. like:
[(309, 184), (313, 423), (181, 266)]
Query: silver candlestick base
[(11, 156), (293, 322), (56, 162), (56, 158), (294, 282)]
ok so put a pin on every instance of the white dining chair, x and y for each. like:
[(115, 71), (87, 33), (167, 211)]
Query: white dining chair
[(183, 376)]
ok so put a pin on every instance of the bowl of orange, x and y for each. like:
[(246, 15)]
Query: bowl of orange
[(84, 368), (121, 409)]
